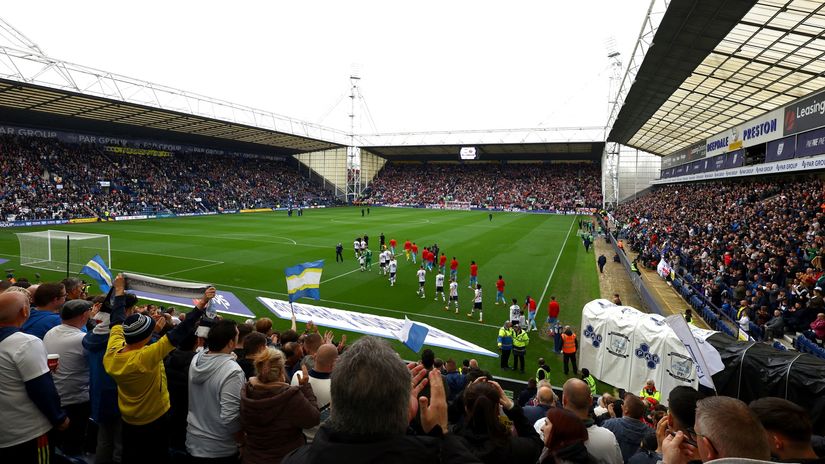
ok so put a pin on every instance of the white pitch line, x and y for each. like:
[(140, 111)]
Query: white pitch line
[(241, 236), (553, 271), (341, 275), (193, 268), (224, 237), (168, 256)]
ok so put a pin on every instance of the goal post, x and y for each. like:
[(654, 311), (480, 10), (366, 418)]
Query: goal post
[(58, 250)]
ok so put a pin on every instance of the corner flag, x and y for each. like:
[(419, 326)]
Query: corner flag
[(97, 270), (303, 280), (412, 335)]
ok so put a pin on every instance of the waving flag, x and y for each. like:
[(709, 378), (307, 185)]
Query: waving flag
[(97, 270), (303, 280), (412, 335)]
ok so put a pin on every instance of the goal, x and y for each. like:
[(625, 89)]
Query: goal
[(58, 250), (458, 205)]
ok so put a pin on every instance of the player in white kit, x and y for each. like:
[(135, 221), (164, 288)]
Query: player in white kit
[(382, 262), (422, 277), (453, 295), (393, 267), (439, 286), (477, 304), (515, 312)]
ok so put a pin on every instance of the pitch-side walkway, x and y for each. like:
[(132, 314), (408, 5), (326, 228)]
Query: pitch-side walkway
[(616, 280)]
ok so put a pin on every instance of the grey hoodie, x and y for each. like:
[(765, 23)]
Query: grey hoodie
[(215, 382)]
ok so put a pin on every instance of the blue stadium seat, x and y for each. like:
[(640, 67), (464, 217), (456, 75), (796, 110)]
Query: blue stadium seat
[(755, 331)]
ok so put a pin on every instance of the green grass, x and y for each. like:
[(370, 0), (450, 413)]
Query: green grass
[(246, 254)]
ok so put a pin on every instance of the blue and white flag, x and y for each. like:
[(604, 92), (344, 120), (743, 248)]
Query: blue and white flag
[(412, 335), (97, 270), (304, 280)]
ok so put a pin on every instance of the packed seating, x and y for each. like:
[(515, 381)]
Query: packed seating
[(538, 186), (752, 249), (45, 179), (131, 383)]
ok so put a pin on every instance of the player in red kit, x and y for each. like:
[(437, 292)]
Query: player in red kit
[(414, 252), (473, 274), (442, 263), (407, 247), (500, 290), (552, 311), (454, 269), (392, 245)]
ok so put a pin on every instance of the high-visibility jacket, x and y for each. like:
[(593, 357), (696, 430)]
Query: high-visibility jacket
[(521, 340), (591, 382), (656, 395), (505, 338), (568, 345), (542, 373)]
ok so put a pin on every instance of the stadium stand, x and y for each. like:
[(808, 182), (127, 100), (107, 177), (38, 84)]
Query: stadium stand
[(49, 180), (539, 186), (740, 248)]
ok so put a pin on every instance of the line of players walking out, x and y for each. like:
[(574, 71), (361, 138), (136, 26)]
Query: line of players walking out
[(388, 266)]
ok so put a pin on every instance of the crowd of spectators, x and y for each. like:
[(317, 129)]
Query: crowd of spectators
[(46, 179), (557, 186), (115, 381), (754, 248)]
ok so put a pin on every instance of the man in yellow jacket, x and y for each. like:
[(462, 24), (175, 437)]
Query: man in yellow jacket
[(520, 342), (649, 391), (137, 368)]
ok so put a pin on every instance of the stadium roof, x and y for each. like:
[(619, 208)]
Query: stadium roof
[(488, 152), (717, 64), (31, 82)]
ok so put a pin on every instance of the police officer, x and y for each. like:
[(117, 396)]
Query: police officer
[(520, 342), (543, 372), (505, 344)]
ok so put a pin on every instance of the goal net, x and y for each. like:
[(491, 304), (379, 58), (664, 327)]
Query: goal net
[(460, 205), (59, 250)]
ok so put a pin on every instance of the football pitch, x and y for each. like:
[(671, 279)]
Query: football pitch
[(539, 255)]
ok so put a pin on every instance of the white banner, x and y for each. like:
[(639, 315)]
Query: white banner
[(625, 347), (142, 283), (663, 268), (370, 324), (802, 164), (707, 359)]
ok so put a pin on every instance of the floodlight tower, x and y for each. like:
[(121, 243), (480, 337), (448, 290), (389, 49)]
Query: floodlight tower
[(353, 151), (610, 158)]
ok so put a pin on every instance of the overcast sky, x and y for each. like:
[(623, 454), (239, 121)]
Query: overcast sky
[(425, 65)]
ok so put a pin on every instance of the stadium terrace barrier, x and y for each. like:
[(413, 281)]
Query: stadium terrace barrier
[(648, 301)]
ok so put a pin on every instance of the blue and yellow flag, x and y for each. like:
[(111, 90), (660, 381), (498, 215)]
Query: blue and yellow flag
[(303, 280), (97, 270)]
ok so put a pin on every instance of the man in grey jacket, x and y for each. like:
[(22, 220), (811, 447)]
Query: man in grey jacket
[(212, 425)]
